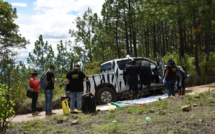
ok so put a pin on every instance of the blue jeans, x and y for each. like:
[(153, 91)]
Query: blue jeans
[(170, 86), (78, 96), (48, 100)]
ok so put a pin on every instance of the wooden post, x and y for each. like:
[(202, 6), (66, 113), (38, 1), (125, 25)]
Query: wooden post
[(71, 64)]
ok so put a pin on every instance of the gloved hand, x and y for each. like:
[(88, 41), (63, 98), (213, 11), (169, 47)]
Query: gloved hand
[(164, 80), (180, 84)]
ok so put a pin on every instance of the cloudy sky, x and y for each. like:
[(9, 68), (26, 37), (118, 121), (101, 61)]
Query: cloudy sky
[(51, 18)]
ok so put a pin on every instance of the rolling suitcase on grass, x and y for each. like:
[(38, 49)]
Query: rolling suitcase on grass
[(89, 103)]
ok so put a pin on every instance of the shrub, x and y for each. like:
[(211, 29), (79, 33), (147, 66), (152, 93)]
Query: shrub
[(6, 107)]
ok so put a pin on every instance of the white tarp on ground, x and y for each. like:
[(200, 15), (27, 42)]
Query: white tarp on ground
[(144, 100)]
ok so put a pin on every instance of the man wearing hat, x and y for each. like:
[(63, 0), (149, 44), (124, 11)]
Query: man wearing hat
[(132, 74), (75, 80), (49, 90)]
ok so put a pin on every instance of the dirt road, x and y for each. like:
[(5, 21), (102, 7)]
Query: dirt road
[(190, 90)]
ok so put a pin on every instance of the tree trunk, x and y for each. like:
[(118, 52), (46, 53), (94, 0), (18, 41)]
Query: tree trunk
[(181, 49), (197, 42), (185, 40), (163, 38), (134, 41), (117, 43), (126, 34), (154, 40), (191, 38), (208, 34), (130, 26)]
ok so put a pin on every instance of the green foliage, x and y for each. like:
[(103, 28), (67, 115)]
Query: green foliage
[(92, 68), (6, 107), (9, 31), (42, 56), (62, 61)]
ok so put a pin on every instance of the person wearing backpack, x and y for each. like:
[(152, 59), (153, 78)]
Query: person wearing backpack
[(35, 85), (75, 79), (181, 87), (49, 90)]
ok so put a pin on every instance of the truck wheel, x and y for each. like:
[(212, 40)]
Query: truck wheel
[(106, 95)]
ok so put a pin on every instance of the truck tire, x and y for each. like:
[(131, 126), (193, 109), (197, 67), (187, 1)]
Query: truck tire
[(105, 95)]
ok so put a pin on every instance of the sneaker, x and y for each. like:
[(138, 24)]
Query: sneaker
[(79, 110), (35, 113), (48, 113), (52, 113)]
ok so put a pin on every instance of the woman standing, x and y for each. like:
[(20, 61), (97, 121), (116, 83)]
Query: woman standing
[(35, 85)]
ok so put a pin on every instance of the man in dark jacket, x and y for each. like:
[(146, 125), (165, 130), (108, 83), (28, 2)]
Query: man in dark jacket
[(145, 74), (75, 80), (132, 74)]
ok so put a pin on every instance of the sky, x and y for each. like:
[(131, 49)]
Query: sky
[(51, 18)]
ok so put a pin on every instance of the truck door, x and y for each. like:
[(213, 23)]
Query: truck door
[(122, 81), (160, 67)]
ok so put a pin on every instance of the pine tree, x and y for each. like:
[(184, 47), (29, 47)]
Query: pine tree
[(42, 56)]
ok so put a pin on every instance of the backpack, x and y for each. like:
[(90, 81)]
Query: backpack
[(43, 80), (184, 75), (89, 104)]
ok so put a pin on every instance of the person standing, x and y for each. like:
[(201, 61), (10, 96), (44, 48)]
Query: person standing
[(35, 85), (75, 79), (181, 81), (49, 90), (132, 74), (145, 74), (170, 78)]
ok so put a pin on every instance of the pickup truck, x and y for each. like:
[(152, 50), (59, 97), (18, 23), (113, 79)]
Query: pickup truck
[(111, 83)]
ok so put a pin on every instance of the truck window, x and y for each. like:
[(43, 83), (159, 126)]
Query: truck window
[(123, 64), (152, 65), (105, 67)]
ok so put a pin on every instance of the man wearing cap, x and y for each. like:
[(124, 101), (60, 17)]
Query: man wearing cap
[(132, 74), (75, 80), (49, 90)]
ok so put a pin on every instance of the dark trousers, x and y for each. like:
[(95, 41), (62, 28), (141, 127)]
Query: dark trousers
[(34, 101), (133, 85), (170, 86), (181, 90)]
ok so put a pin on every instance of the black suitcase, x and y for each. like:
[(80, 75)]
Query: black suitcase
[(89, 103)]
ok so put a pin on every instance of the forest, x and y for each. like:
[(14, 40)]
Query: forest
[(182, 30)]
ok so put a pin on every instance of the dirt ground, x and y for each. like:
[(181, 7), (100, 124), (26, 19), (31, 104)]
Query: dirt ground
[(191, 90)]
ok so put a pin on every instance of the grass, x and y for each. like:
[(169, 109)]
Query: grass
[(23, 107), (167, 118)]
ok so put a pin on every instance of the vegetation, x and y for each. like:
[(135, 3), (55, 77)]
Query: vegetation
[(181, 30), (6, 107), (166, 117)]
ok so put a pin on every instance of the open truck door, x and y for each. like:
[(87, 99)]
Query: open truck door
[(160, 67)]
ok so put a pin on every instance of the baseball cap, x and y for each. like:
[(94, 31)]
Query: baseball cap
[(52, 67), (77, 65)]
